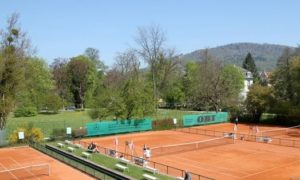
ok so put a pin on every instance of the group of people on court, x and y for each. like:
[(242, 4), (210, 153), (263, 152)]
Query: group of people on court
[(253, 129)]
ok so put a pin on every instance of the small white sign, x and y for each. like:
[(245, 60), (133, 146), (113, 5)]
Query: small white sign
[(21, 135), (175, 121), (69, 130)]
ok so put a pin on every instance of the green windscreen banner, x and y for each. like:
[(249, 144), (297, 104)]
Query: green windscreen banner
[(203, 119), (118, 126)]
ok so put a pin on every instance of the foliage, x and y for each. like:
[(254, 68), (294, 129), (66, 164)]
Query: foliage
[(93, 55), (25, 111), (37, 84), (259, 100), (12, 58), (62, 83), (210, 85), (52, 103), (82, 74), (58, 133), (30, 133)]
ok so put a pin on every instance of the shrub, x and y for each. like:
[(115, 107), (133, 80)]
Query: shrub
[(53, 103), (79, 132), (31, 134), (58, 133), (25, 112)]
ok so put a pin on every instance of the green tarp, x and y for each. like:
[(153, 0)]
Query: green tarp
[(118, 126), (203, 119)]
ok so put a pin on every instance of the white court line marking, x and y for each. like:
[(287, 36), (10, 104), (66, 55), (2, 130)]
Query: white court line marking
[(15, 177), (25, 169)]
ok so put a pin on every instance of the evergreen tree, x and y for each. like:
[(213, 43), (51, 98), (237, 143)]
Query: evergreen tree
[(249, 64)]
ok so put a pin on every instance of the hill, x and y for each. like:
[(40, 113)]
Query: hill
[(265, 55)]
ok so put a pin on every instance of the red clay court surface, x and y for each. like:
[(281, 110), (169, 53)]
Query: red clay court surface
[(245, 129), (11, 158), (242, 160)]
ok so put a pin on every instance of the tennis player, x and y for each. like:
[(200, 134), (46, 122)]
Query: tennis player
[(148, 153)]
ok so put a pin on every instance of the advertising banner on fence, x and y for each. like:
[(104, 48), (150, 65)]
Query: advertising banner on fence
[(205, 118), (118, 126)]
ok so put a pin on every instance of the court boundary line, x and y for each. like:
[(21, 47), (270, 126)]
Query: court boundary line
[(286, 165), (25, 170), (208, 170), (15, 177)]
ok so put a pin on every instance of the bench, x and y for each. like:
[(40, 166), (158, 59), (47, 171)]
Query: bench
[(148, 176), (85, 154), (264, 139), (139, 161), (68, 142), (124, 160), (122, 167), (60, 145), (151, 169), (78, 145), (71, 149)]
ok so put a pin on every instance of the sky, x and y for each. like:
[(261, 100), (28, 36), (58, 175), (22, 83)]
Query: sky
[(65, 28)]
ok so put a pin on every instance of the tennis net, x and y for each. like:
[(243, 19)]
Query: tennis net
[(177, 148), (293, 131), (26, 172)]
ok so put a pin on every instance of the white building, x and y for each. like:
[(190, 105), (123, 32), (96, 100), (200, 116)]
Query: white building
[(248, 81)]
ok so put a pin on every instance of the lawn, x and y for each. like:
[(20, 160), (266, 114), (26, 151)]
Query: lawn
[(109, 162), (76, 119)]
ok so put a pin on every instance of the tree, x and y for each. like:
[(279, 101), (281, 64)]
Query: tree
[(82, 76), (282, 79), (93, 55), (295, 73), (249, 64), (210, 85), (127, 63), (60, 76), (37, 84), (14, 48), (259, 100), (151, 42), (125, 93)]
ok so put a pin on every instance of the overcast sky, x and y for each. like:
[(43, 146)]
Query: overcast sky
[(65, 28)]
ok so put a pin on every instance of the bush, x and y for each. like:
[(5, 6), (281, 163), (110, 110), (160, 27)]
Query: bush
[(79, 132), (58, 133), (53, 103), (98, 113), (31, 134), (165, 124), (25, 112)]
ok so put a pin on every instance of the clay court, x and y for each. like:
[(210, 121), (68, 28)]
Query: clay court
[(246, 129), (16, 158), (241, 160)]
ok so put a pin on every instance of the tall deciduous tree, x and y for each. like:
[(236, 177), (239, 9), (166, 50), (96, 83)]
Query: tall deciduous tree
[(82, 73), (282, 79), (37, 84), (14, 48), (259, 100), (151, 41), (94, 56), (60, 76), (212, 85)]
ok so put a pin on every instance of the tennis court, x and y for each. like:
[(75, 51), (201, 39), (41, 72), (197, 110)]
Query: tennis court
[(27, 163), (239, 160), (263, 130)]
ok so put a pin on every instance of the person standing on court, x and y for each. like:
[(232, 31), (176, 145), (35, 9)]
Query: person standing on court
[(236, 120), (187, 176)]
